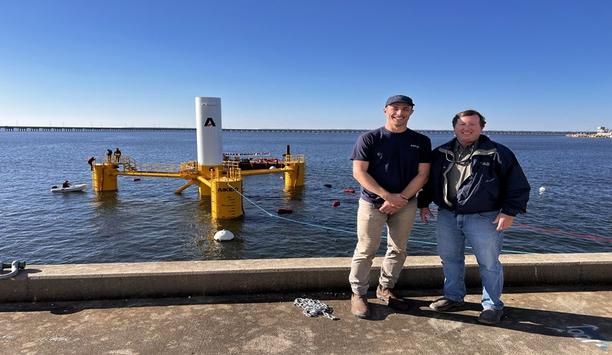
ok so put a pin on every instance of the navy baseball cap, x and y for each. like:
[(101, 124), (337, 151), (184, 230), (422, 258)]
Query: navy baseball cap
[(399, 98)]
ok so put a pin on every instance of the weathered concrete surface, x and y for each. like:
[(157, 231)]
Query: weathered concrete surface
[(200, 278), (539, 321)]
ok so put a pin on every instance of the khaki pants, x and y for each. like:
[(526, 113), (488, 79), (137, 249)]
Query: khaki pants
[(370, 222)]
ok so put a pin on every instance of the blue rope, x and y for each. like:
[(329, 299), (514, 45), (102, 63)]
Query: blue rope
[(341, 230)]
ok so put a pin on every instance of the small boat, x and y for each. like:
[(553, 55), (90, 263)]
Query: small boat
[(71, 188)]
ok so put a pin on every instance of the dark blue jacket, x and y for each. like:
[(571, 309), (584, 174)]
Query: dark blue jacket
[(497, 182)]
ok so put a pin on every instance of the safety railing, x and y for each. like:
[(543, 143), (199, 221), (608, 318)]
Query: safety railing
[(188, 168), (295, 158), (229, 169), (158, 168), (127, 163)]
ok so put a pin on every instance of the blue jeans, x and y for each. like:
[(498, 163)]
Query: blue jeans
[(486, 242)]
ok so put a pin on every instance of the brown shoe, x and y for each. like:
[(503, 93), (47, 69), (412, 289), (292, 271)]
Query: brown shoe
[(359, 305), (385, 294), (390, 299)]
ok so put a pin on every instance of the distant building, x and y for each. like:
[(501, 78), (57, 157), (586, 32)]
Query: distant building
[(601, 132)]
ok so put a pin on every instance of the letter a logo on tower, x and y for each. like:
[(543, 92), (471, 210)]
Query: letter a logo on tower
[(209, 122)]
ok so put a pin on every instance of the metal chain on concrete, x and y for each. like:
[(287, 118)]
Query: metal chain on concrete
[(314, 308)]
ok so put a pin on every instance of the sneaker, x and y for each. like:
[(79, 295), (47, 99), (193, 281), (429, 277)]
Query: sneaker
[(359, 305), (491, 316), (445, 305)]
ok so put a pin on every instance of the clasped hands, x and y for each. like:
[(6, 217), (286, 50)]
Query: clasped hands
[(393, 203)]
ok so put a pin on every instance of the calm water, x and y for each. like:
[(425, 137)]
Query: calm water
[(146, 221)]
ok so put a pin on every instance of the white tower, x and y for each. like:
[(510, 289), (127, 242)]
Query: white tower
[(209, 130)]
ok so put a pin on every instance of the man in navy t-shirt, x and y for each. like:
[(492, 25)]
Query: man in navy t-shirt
[(391, 164)]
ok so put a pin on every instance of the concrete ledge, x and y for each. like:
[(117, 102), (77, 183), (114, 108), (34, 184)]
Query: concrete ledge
[(199, 278)]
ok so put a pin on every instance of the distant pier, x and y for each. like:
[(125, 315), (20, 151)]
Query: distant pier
[(85, 129), (271, 130)]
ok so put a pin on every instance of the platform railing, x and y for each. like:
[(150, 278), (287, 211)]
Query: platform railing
[(295, 158), (229, 169), (188, 168)]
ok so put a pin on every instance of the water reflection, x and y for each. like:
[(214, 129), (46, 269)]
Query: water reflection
[(105, 200), (296, 193), (206, 227)]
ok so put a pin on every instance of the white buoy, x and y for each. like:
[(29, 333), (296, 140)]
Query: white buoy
[(223, 235), (272, 167), (542, 189)]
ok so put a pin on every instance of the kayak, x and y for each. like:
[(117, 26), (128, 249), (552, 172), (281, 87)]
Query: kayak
[(71, 188)]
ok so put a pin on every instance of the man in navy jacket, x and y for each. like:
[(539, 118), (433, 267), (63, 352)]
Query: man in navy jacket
[(479, 187)]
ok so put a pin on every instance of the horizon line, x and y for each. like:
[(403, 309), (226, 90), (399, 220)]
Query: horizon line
[(32, 128)]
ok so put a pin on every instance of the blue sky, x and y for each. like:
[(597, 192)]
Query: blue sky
[(526, 65)]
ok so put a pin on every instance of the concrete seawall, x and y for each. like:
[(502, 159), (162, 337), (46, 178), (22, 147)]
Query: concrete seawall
[(202, 278)]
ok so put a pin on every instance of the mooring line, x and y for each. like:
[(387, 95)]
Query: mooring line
[(289, 219), (341, 230)]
